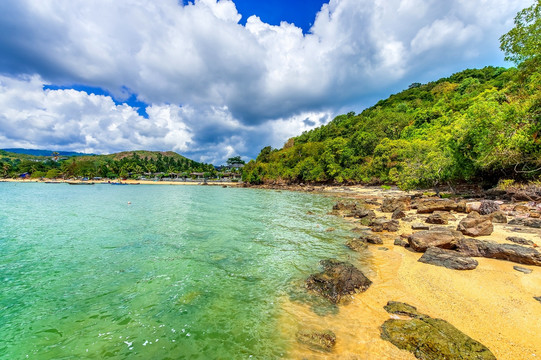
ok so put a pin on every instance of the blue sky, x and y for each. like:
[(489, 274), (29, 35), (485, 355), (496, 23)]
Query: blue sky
[(214, 79)]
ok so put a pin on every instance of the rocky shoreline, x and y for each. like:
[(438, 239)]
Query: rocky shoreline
[(449, 233)]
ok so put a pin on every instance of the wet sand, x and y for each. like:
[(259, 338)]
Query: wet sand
[(493, 304)]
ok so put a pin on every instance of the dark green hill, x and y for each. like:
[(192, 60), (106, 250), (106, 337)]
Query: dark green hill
[(474, 125)]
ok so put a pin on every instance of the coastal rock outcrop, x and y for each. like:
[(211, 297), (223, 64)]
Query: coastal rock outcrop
[(431, 339), (490, 249), (448, 258), (475, 225), (337, 279), (317, 340), (427, 206), (384, 224), (442, 238), (528, 222), (519, 240), (391, 204)]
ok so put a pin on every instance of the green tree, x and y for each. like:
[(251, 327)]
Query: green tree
[(524, 40), (235, 160)]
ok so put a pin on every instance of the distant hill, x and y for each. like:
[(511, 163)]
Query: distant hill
[(39, 152)]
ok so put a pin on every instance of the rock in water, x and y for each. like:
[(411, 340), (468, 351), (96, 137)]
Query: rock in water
[(337, 279), (489, 249), (356, 244), (400, 308), (476, 226), (448, 258), (422, 240), (317, 340), (430, 339)]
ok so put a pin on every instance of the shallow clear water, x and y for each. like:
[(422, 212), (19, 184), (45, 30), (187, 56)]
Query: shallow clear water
[(184, 272)]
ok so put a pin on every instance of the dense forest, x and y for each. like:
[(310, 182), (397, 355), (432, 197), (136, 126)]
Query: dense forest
[(123, 165), (474, 125)]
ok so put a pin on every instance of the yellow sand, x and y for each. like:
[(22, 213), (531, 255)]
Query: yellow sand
[(493, 304)]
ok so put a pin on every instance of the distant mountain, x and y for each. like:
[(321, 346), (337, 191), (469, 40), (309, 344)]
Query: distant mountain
[(39, 152)]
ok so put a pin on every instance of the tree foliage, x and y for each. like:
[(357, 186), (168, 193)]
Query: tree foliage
[(524, 40)]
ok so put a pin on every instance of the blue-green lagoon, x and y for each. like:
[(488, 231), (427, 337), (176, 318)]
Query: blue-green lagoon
[(183, 272)]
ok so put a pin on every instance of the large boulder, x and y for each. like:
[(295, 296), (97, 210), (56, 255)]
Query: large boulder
[(317, 340), (442, 238), (438, 218), (431, 339), (490, 249), (448, 258), (384, 224), (476, 225), (337, 279), (427, 206), (390, 204)]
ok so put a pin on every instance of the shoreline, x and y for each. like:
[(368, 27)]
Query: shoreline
[(493, 304), (127, 182)]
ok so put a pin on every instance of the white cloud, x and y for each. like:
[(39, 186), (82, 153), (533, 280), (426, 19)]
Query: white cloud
[(221, 80)]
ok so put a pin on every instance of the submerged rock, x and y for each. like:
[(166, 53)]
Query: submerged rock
[(317, 340), (400, 308), (448, 258), (337, 279), (430, 339), (442, 238), (356, 244), (490, 249)]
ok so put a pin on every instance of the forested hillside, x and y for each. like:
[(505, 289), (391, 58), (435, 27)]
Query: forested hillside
[(476, 124), (124, 165)]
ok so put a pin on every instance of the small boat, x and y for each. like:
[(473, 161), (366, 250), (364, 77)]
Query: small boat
[(79, 183), (118, 183)]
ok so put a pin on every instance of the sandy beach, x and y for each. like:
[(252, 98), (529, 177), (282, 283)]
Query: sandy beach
[(494, 304)]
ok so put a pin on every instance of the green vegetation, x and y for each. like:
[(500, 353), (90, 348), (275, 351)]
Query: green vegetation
[(476, 125), (130, 164)]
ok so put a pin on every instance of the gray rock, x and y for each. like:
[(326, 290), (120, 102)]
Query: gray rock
[(448, 258), (538, 298), (372, 239), (489, 249), (337, 279), (431, 339), (363, 213), (522, 270), (534, 223), (383, 224), (422, 240), (400, 242), (488, 207), (519, 240), (419, 226)]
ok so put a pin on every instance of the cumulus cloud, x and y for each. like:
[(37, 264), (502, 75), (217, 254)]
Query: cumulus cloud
[(216, 87)]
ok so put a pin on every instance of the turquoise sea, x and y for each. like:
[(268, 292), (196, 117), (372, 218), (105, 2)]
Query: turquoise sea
[(183, 272)]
